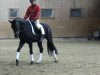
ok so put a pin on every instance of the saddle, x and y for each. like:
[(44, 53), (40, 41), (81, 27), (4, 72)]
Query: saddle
[(36, 31)]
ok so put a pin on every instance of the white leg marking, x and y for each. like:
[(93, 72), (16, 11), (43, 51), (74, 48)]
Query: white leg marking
[(40, 58), (17, 56), (55, 56), (32, 57)]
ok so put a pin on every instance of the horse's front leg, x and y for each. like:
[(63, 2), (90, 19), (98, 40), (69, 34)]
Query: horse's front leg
[(31, 53), (18, 52), (41, 51)]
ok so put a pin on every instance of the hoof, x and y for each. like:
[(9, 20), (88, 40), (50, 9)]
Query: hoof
[(56, 61), (32, 62), (17, 62), (38, 62)]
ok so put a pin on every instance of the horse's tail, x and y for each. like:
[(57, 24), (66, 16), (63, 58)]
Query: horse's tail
[(50, 45), (51, 48)]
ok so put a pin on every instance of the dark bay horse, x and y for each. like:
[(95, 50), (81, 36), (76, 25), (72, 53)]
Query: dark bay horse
[(23, 30)]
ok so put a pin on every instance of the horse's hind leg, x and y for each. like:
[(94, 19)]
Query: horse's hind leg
[(18, 52), (41, 51), (51, 47)]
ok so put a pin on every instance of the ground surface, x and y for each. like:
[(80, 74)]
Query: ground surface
[(76, 57)]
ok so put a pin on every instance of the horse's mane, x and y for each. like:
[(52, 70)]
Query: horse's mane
[(20, 20)]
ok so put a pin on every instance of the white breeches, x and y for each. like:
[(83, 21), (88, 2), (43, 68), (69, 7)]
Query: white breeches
[(39, 26)]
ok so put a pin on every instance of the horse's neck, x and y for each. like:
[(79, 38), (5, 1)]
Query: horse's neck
[(22, 26)]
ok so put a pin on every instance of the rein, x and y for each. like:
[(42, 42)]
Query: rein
[(19, 29)]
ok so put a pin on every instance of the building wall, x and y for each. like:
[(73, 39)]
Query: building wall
[(62, 25), (65, 26)]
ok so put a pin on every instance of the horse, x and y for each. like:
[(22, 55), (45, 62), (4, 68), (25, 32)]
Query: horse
[(23, 30)]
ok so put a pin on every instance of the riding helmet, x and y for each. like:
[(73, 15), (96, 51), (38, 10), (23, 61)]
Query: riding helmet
[(32, 0)]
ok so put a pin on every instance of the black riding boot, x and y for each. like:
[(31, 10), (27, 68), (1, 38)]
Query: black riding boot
[(41, 38)]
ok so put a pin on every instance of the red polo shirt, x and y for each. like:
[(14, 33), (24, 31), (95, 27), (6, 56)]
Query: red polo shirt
[(33, 12)]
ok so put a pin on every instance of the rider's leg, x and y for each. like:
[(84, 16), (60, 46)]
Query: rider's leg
[(39, 26)]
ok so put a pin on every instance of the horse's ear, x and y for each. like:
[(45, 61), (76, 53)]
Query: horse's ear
[(10, 21)]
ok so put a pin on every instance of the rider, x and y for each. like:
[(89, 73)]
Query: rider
[(33, 13)]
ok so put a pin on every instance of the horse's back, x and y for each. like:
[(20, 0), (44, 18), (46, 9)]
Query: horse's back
[(26, 23), (45, 25)]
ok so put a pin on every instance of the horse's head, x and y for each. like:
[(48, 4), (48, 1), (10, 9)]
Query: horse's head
[(15, 27)]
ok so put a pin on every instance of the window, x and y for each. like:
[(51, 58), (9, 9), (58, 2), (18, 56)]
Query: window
[(96, 33), (76, 12), (47, 13), (13, 12)]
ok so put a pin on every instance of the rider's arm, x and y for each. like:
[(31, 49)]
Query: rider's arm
[(26, 14), (37, 13)]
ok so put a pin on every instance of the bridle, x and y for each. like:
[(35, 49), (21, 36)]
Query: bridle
[(19, 31), (18, 26)]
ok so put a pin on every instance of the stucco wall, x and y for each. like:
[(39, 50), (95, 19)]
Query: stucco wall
[(62, 25)]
